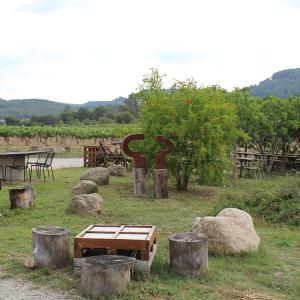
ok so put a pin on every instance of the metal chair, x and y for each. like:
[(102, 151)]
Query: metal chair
[(46, 165), (41, 159), (254, 168)]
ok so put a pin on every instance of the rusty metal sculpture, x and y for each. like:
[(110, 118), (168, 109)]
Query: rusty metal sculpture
[(138, 158), (160, 177), (140, 165), (160, 162)]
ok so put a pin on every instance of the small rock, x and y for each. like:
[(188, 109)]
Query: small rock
[(230, 232), (117, 170), (98, 175), (86, 204), (84, 187)]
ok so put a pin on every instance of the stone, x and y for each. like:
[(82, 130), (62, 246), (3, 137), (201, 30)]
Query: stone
[(230, 232), (117, 170), (98, 175), (86, 204), (85, 187)]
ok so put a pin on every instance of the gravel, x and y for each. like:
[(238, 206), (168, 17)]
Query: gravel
[(17, 289)]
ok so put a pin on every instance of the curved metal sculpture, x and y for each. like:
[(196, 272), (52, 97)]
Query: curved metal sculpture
[(160, 162), (138, 158)]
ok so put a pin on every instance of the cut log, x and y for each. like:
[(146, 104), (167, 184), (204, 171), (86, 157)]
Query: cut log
[(189, 252), (105, 275), (23, 197), (50, 247), (140, 182), (160, 183)]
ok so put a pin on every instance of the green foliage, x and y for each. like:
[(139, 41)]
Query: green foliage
[(200, 122), (281, 207), (271, 124), (78, 132), (124, 117)]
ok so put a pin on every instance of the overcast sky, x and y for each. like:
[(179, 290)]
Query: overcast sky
[(78, 50)]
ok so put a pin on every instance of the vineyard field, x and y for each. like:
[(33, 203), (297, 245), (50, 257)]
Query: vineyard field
[(60, 138), (25, 133)]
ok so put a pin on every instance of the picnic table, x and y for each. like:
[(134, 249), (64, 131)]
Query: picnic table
[(17, 159)]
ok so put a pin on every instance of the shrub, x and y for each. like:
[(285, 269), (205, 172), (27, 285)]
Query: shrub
[(281, 207)]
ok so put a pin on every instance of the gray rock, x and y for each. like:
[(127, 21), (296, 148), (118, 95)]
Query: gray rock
[(98, 175), (85, 187), (117, 170), (86, 204), (230, 232)]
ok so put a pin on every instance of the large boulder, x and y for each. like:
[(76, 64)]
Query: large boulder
[(117, 170), (86, 204), (98, 175), (85, 187), (230, 232)]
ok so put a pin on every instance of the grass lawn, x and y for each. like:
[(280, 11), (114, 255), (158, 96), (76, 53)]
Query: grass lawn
[(272, 273)]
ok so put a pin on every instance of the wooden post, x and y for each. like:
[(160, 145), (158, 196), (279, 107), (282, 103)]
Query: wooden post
[(140, 182), (23, 197), (51, 247), (160, 183), (105, 275), (189, 252)]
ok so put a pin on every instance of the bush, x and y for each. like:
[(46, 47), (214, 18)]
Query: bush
[(281, 207)]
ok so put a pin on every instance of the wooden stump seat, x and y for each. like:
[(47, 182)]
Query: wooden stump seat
[(189, 252), (50, 247), (105, 275)]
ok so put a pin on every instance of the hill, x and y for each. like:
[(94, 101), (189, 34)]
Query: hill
[(92, 104), (282, 84), (25, 108)]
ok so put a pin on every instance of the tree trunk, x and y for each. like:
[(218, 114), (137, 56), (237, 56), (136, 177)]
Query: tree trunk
[(51, 247), (160, 183), (23, 197), (140, 182), (189, 252), (105, 275)]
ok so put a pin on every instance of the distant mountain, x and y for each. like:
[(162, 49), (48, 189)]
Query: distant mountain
[(282, 84), (92, 104), (26, 108)]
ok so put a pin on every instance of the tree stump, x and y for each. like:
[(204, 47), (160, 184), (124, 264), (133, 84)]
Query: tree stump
[(105, 275), (50, 247), (160, 183), (189, 252), (140, 182), (23, 197)]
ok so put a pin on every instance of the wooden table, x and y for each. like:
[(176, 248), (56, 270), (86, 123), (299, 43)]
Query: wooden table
[(19, 159), (138, 241)]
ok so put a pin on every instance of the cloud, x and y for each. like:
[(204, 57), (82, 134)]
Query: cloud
[(48, 6), (171, 56), (75, 51)]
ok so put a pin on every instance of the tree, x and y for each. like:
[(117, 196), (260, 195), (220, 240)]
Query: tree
[(124, 117), (83, 114), (201, 122), (10, 120), (99, 112)]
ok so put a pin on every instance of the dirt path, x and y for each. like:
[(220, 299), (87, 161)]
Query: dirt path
[(17, 289), (59, 163)]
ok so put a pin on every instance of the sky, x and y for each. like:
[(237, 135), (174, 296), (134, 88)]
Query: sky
[(75, 51)]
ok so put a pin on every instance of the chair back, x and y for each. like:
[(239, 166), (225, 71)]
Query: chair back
[(42, 158), (49, 159)]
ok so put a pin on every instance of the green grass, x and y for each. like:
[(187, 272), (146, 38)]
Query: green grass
[(272, 273)]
